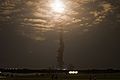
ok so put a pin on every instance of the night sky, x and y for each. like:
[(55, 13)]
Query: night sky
[(27, 39)]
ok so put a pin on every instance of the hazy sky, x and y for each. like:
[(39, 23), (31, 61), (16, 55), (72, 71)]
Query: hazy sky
[(29, 38)]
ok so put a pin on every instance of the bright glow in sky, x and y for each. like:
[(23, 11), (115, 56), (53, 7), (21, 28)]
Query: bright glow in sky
[(58, 6), (50, 15)]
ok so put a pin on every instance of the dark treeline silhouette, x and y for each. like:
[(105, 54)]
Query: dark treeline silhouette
[(58, 71)]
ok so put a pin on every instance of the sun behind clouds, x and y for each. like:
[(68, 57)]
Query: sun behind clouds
[(58, 6)]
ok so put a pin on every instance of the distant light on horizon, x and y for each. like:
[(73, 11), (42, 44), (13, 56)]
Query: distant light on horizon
[(73, 72)]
